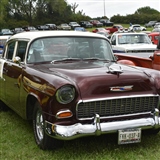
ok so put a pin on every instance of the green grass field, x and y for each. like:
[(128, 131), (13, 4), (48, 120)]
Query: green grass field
[(17, 143)]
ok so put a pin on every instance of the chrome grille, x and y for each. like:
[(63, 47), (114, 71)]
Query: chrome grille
[(117, 107)]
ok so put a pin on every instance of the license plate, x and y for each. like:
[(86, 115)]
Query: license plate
[(129, 136)]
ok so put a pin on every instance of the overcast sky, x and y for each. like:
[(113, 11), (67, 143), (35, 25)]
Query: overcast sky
[(95, 8)]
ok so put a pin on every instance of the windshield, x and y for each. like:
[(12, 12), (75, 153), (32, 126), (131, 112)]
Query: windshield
[(59, 48), (133, 39)]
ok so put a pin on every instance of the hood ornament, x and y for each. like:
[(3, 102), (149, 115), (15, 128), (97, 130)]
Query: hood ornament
[(121, 88), (115, 69)]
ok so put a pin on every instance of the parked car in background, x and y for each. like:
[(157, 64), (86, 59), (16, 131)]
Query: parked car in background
[(96, 23), (6, 31), (51, 26), (82, 29), (3, 40), (29, 28), (86, 24), (154, 36), (43, 27), (100, 30), (106, 34), (132, 43), (17, 30), (153, 62), (64, 26), (136, 27), (73, 25), (115, 28), (156, 30), (106, 22), (150, 24), (157, 25), (78, 89)]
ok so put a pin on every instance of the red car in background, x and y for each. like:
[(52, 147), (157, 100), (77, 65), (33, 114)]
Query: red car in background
[(154, 37), (115, 28), (100, 30), (96, 23)]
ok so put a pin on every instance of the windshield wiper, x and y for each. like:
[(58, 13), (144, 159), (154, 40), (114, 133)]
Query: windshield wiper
[(97, 59), (66, 60)]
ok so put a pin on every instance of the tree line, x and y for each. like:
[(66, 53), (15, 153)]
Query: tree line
[(18, 13)]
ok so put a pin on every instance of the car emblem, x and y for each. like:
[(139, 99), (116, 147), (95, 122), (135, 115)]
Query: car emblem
[(121, 88)]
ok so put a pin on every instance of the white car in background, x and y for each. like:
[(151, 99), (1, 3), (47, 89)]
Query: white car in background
[(73, 25), (3, 40), (132, 43), (136, 27)]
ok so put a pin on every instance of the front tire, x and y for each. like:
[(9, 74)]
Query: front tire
[(44, 141)]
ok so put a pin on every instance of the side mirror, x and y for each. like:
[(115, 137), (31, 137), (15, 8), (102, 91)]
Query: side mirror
[(17, 60)]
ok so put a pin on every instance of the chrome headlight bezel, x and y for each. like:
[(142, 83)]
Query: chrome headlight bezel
[(65, 94)]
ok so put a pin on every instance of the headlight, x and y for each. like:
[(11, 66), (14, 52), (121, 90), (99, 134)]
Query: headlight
[(65, 94)]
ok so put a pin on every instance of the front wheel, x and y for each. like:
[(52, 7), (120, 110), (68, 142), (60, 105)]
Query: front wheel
[(42, 139)]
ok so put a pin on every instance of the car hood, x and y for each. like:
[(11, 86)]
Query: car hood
[(101, 80)]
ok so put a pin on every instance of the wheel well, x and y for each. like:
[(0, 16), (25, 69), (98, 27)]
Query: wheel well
[(31, 100)]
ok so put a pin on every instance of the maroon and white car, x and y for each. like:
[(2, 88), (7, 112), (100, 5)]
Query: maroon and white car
[(70, 85)]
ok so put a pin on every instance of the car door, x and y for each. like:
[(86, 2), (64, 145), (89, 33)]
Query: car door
[(13, 73)]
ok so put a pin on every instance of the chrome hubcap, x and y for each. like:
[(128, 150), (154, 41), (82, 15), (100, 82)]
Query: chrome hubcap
[(39, 125)]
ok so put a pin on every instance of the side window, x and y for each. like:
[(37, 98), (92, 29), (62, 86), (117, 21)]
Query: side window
[(10, 50), (113, 40), (21, 49)]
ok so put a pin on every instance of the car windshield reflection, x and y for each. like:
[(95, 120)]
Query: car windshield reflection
[(69, 48), (133, 39)]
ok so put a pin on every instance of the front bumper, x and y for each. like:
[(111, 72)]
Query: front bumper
[(97, 128)]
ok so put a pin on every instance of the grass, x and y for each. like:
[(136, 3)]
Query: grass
[(17, 143)]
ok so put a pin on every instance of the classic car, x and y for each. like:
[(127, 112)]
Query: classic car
[(150, 24), (17, 30), (106, 34), (156, 30), (85, 24), (115, 28), (73, 25), (42, 27), (136, 27), (100, 30), (6, 31), (132, 43), (52, 26), (29, 28), (152, 62), (96, 23), (106, 22), (154, 36), (64, 26), (70, 85)]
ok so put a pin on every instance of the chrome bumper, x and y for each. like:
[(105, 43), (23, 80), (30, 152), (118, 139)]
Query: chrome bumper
[(96, 128)]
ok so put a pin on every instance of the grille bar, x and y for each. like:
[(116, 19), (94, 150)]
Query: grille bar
[(117, 107)]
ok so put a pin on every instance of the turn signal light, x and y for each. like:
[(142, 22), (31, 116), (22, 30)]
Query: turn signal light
[(64, 114)]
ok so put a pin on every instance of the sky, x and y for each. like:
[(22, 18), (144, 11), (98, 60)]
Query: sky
[(109, 8)]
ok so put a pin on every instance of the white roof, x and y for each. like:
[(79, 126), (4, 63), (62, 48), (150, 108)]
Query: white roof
[(39, 34)]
